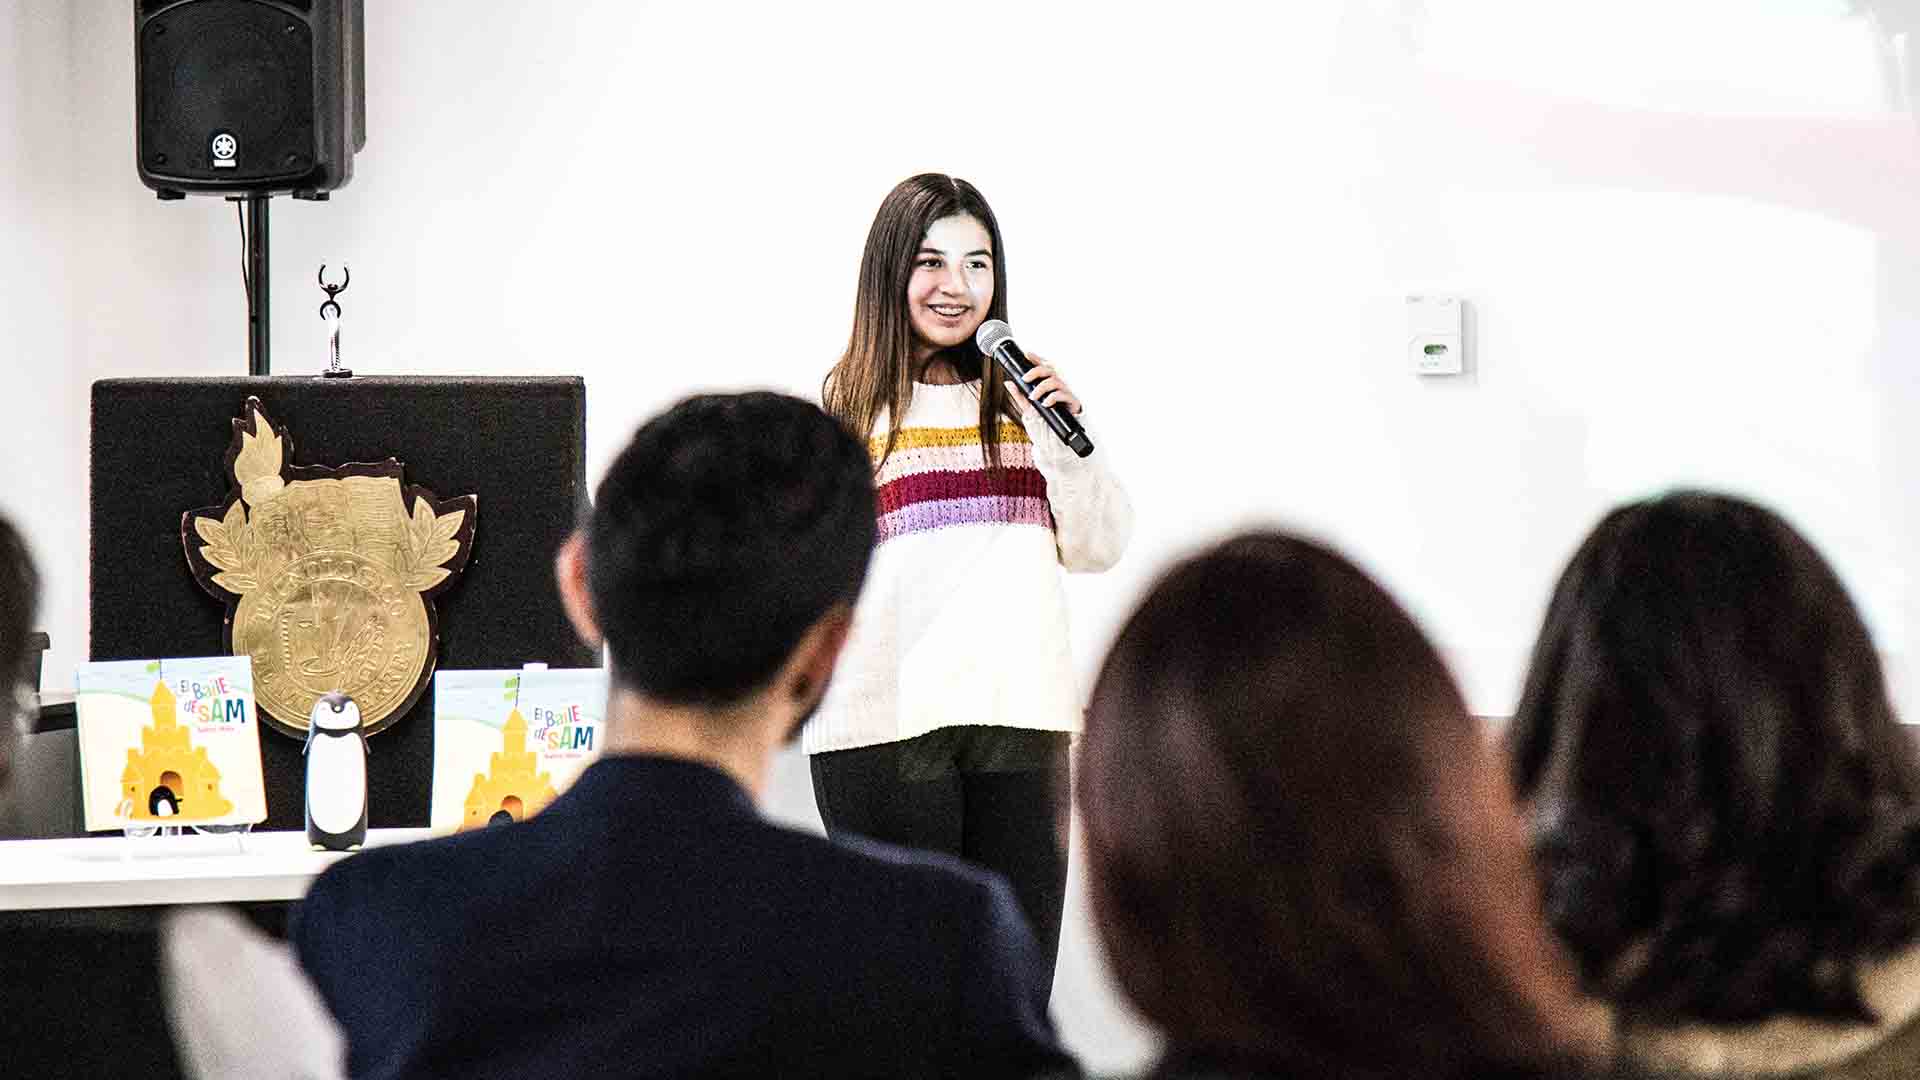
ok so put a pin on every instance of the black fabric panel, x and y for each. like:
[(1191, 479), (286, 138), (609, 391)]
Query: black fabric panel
[(159, 450), (83, 996)]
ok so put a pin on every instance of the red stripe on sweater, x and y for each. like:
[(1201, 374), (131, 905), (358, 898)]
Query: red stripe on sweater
[(973, 483)]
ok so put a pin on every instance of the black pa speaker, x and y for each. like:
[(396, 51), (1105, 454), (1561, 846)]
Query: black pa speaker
[(249, 96)]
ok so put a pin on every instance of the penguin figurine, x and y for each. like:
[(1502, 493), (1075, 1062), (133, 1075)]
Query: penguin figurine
[(336, 752)]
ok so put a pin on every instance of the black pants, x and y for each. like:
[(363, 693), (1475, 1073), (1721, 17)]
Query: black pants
[(995, 796)]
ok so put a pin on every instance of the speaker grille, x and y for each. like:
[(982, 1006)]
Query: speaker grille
[(234, 68)]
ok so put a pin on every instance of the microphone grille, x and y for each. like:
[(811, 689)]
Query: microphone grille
[(991, 335)]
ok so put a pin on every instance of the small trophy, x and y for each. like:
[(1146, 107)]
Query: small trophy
[(330, 315)]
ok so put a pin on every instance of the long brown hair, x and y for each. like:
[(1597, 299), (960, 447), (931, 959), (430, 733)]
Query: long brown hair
[(1301, 847), (1727, 810), (876, 371)]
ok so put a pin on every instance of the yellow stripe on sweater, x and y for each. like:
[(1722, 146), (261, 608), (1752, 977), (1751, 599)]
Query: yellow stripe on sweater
[(914, 438)]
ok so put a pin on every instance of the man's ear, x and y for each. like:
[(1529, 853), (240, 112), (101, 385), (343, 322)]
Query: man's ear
[(570, 570), (819, 650)]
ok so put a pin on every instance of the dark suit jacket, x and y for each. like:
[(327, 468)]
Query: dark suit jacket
[(651, 923)]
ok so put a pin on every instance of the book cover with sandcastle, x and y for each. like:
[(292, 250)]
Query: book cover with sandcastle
[(507, 743), (169, 742)]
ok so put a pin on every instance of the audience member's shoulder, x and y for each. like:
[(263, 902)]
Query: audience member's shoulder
[(394, 869), (919, 895), (379, 896), (928, 870)]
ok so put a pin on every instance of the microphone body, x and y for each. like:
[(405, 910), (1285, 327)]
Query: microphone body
[(995, 339)]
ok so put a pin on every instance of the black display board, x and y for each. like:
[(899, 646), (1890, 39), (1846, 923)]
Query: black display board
[(160, 449)]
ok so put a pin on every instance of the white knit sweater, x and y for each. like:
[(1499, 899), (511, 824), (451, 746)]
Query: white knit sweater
[(963, 619)]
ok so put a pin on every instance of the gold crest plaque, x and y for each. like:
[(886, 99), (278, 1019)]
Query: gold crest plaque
[(328, 574)]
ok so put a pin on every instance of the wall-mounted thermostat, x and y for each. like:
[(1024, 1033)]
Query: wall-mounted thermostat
[(1435, 345)]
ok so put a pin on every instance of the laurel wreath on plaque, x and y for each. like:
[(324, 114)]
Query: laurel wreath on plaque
[(431, 543)]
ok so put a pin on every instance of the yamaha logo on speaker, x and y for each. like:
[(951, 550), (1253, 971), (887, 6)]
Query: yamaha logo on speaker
[(225, 149)]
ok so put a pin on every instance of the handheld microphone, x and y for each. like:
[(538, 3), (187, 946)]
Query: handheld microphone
[(995, 339)]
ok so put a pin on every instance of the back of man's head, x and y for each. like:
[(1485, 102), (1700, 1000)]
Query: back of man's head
[(725, 530)]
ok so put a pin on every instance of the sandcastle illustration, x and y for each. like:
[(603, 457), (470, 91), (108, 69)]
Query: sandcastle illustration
[(513, 783), (169, 777)]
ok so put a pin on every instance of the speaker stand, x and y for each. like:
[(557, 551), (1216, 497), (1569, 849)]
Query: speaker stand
[(259, 324)]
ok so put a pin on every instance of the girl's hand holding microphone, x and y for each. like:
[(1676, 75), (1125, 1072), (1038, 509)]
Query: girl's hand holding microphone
[(1048, 387)]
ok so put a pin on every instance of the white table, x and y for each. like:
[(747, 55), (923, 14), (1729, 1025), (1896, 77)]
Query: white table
[(98, 872)]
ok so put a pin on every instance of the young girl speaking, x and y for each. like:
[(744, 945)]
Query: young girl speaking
[(948, 722)]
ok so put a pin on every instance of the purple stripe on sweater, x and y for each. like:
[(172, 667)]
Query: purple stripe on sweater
[(981, 510)]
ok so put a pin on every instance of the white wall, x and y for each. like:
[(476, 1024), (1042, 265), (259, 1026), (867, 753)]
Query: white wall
[(42, 441), (1689, 239)]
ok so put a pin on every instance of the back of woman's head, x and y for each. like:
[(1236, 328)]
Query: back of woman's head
[(19, 595), (1301, 846), (1724, 803)]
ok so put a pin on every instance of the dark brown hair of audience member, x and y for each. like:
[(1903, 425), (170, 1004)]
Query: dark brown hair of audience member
[(1302, 849), (1724, 806), (19, 596)]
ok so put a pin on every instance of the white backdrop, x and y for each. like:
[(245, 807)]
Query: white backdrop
[(1689, 241)]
